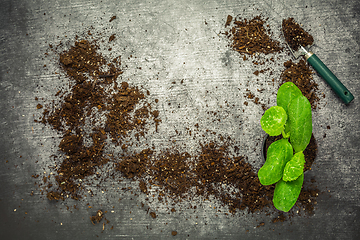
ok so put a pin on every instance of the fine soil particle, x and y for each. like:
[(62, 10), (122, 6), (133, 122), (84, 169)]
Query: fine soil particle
[(302, 76), (228, 20), (97, 218), (280, 218), (260, 225), (174, 233), (112, 18), (295, 35), (112, 38), (153, 214), (251, 36)]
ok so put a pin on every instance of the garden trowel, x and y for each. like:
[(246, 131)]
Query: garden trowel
[(324, 72)]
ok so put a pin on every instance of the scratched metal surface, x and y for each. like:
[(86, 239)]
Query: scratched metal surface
[(171, 42)]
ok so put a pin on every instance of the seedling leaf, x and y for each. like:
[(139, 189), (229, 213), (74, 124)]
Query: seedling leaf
[(286, 193), (300, 123), (294, 168), (278, 154), (287, 92), (273, 120)]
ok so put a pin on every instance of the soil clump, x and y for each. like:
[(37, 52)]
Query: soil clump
[(295, 35), (97, 218), (251, 36)]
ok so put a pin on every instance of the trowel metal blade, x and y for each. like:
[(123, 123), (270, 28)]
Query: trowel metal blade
[(299, 52)]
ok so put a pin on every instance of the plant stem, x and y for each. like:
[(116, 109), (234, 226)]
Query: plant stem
[(285, 135)]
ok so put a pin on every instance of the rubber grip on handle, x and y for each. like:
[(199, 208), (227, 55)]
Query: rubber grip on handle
[(331, 79)]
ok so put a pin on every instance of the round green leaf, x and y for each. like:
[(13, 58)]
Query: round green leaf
[(273, 120), (294, 168), (278, 154)]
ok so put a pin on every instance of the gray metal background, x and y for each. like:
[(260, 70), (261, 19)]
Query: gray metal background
[(175, 33)]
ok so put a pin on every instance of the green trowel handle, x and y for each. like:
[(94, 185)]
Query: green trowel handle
[(329, 77)]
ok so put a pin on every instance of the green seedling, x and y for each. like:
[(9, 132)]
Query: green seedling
[(284, 165)]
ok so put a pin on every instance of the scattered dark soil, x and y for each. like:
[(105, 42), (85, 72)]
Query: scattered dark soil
[(99, 114), (219, 175), (302, 76), (295, 35), (307, 198), (251, 96), (251, 36), (211, 173), (310, 153), (172, 172), (91, 94)]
